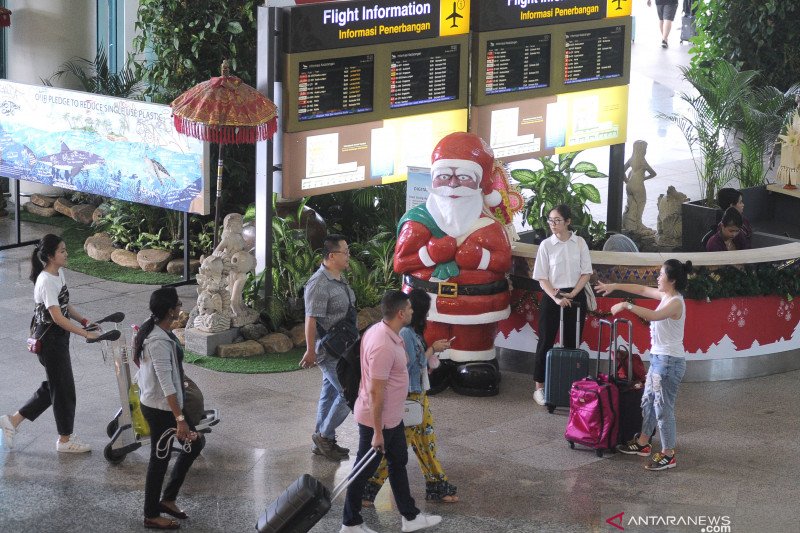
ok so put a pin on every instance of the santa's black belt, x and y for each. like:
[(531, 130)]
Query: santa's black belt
[(446, 289)]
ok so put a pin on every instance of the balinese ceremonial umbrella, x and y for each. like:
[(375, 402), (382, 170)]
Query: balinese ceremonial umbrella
[(224, 110)]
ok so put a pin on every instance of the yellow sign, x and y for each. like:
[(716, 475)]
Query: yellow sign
[(619, 8), (588, 119), (408, 141), (453, 17)]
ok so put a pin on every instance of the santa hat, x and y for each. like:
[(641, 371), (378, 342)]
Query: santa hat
[(467, 150)]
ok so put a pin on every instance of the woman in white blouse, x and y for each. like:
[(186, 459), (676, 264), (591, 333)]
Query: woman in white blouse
[(563, 267)]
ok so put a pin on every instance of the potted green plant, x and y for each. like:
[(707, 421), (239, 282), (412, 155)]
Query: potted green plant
[(557, 183)]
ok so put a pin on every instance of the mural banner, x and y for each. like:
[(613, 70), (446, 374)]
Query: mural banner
[(96, 144)]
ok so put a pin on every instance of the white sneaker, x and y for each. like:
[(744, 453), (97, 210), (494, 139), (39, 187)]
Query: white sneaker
[(360, 528), (421, 522), (538, 396), (73, 445), (9, 431)]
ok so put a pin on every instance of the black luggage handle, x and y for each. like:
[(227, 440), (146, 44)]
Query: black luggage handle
[(577, 305), (630, 345), (603, 322)]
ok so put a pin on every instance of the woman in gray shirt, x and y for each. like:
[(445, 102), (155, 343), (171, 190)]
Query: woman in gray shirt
[(160, 360)]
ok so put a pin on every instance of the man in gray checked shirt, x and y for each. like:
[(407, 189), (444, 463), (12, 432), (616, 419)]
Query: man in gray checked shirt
[(327, 299)]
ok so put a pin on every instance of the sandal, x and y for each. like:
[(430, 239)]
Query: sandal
[(172, 511), (442, 492), (155, 523)]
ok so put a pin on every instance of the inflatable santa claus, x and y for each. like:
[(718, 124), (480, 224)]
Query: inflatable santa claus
[(457, 248)]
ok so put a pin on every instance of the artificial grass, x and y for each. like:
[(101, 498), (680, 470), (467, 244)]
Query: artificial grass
[(75, 234), (260, 364)]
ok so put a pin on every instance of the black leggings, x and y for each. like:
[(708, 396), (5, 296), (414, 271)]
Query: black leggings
[(159, 421), (59, 389), (549, 318)]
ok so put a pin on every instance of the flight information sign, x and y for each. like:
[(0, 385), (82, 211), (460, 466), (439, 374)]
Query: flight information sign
[(594, 54), (335, 87), (517, 64), (424, 76)]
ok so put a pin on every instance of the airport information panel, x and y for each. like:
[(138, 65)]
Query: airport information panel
[(424, 76), (336, 86), (595, 54), (517, 64)]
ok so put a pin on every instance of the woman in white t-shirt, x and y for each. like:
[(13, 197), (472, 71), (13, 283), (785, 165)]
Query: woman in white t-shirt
[(52, 323), (563, 267), (667, 359)]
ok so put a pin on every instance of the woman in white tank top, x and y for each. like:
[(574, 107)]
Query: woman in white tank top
[(667, 359)]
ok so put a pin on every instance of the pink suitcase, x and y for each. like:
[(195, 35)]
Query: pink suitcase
[(594, 409)]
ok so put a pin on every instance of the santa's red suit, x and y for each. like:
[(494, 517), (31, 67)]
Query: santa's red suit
[(468, 305)]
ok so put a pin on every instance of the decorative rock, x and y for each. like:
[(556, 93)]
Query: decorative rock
[(97, 214), (363, 319), (376, 314), (63, 206), (670, 225), (125, 258), (298, 336), (32, 208), (153, 260), (82, 214), (276, 343), (42, 201), (242, 349), (181, 334), (253, 332), (176, 266), (99, 246)]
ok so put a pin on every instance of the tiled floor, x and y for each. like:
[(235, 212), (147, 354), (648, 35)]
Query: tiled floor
[(515, 472)]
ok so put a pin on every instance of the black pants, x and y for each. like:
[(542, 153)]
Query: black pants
[(160, 421), (59, 389), (396, 451), (549, 317)]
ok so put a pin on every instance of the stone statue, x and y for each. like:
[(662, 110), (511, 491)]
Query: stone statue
[(220, 281), (211, 314), (670, 223), (640, 171), (241, 264), (211, 318)]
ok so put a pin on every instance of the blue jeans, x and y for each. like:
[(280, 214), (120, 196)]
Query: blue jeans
[(658, 400), (396, 450), (332, 408)]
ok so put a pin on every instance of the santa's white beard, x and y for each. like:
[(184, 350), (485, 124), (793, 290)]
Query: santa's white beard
[(455, 216)]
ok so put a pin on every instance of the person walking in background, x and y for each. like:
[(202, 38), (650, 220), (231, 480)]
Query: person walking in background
[(728, 197), (421, 438), (160, 377), (667, 359), (52, 323), (328, 299), (725, 239), (379, 413), (666, 10), (563, 267)]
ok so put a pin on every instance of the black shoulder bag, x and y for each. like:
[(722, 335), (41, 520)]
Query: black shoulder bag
[(340, 337)]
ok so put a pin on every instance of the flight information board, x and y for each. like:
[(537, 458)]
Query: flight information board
[(424, 76), (595, 54), (334, 87), (517, 64)]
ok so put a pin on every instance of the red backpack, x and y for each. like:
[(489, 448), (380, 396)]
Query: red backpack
[(639, 372)]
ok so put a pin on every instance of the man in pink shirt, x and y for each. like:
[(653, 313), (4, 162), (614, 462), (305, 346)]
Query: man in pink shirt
[(381, 395)]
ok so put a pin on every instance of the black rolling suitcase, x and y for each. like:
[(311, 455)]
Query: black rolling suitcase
[(305, 502), (688, 22), (630, 390), (564, 367)]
